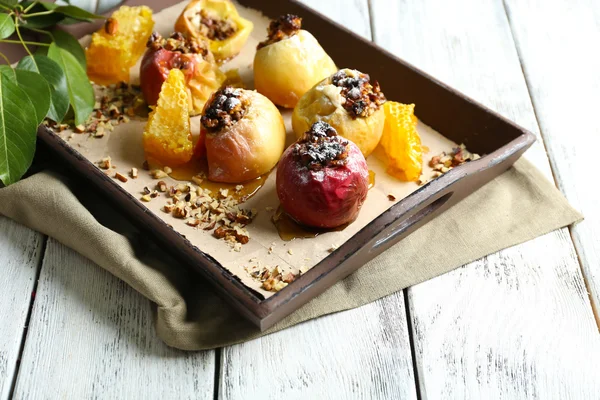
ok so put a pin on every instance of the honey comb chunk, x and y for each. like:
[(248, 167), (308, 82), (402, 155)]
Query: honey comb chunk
[(117, 46), (167, 135), (401, 142)]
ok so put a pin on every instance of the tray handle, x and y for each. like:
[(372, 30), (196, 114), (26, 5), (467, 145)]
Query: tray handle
[(396, 230)]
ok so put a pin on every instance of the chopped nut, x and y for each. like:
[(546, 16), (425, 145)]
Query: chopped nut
[(332, 248), (133, 173), (99, 134), (197, 179), (161, 186), (290, 252), (146, 198), (120, 177), (154, 194), (105, 163), (193, 222), (158, 173), (180, 210), (145, 165), (79, 128), (168, 208), (289, 278), (168, 170), (391, 197)]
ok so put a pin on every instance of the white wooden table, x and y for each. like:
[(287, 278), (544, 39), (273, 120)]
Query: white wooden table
[(522, 323)]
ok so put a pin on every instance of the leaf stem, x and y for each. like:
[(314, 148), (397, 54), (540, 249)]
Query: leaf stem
[(21, 39), (37, 14), (29, 7), (24, 42), (39, 31), (5, 58), (6, 8)]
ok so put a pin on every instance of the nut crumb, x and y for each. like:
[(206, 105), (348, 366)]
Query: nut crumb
[(133, 173), (79, 128), (197, 179), (105, 163), (161, 186), (167, 170), (290, 252), (158, 173), (332, 248), (120, 177), (391, 197), (146, 198)]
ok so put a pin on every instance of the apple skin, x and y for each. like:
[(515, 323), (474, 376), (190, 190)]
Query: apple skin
[(201, 75), (249, 148), (327, 198)]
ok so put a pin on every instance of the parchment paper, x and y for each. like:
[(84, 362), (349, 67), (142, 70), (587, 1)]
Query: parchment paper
[(124, 146)]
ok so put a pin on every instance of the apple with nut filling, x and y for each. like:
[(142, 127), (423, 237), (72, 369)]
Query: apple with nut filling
[(322, 179)]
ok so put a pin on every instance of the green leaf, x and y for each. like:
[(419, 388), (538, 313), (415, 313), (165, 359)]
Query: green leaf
[(42, 21), (37, 89), (7, 26), (57, 80), (68, 42), (77, 13), (81, 92), (9, 3), (8, 71), (17, 131)]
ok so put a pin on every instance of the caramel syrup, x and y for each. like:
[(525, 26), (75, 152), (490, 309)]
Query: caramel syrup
[(199, 167), (371, 179), (289, 229)]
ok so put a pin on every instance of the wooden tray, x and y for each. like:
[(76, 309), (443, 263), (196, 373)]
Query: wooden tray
[(461, 120)]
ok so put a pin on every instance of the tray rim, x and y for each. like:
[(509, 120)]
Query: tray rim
[(251, 303)]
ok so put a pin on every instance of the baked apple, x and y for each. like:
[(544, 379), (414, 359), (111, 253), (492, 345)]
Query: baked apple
[(192, 57), (289, 62), (167, 135), (349, 102), (219, 23), (322, 179), (244, 135), (117, 46)]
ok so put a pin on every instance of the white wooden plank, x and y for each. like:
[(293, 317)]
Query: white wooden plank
[(20, 250), (561, 66), (496, 328), (92, 336), (359, 354)]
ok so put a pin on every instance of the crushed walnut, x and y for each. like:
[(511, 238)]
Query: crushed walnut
[(202, 210), (117, 104), (281, 28), (361, 96), (444, 162), (272, 279), (213, 27), (177, 42), (321, 147), (225, 108)]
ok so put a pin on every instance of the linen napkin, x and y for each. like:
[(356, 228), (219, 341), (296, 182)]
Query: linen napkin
[(517, 206)]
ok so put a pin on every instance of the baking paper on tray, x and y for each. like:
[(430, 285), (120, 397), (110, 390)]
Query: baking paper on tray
[(265, 248)]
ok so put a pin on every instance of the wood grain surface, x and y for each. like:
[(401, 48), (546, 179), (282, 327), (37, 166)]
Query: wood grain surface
[(496, 327), (516, 324), (562, 71), (20, 251), (92, 336), (359, 354)]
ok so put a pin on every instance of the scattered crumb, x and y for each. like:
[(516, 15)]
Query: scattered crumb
[(105, 163), (120, 177), (133, 173), (290, 252)]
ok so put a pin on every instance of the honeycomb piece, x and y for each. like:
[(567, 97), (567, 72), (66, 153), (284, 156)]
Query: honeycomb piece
[(117, 46), (401, 142), (167, 135)]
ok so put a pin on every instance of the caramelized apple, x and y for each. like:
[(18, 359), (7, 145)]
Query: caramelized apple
[(322, 179), (289, 62), (245, 135), (192, 57), (219, 23), (349, 102)]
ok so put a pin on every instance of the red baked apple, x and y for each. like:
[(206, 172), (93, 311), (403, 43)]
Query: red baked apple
[(322, 179), (192, 57)]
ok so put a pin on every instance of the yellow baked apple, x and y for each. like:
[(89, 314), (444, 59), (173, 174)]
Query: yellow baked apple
[(218, 22), (244, 135), (289, 62), (350, 103)]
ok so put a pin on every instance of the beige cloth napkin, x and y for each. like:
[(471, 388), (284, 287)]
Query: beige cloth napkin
[(515, 207)]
